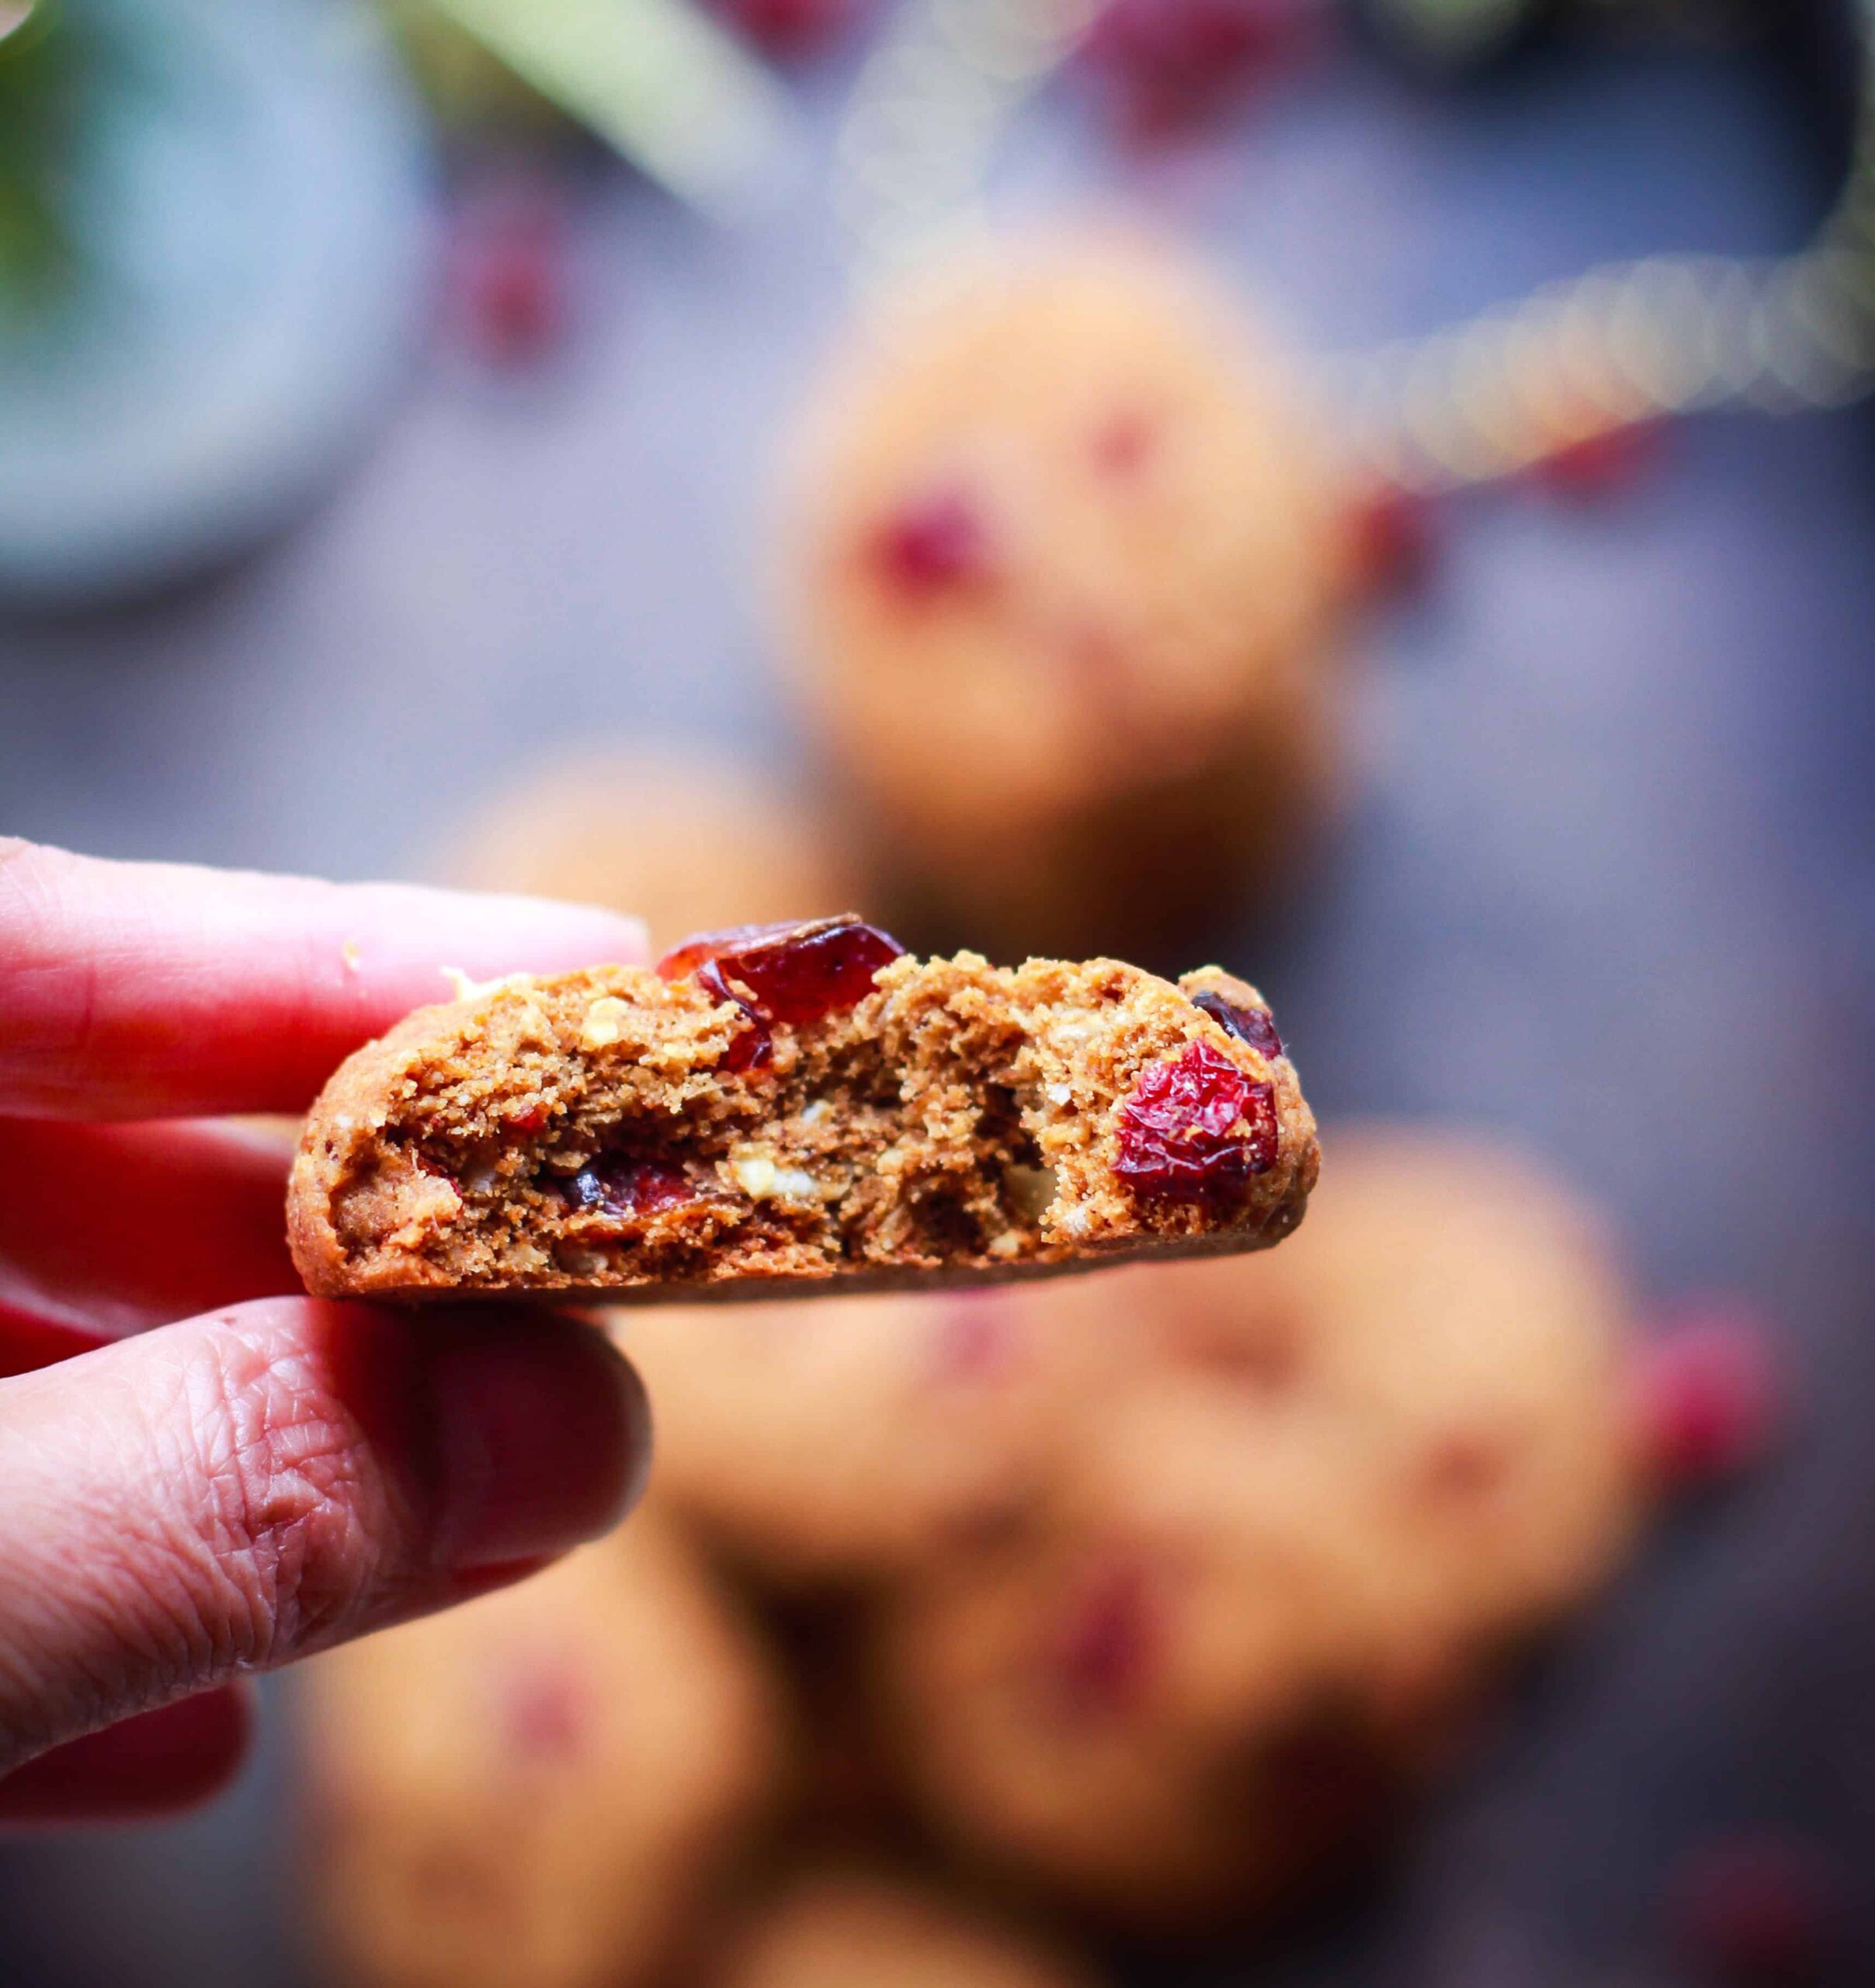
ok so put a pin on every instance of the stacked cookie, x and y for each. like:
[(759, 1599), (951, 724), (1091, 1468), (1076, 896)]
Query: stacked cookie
[(1142, 1602), (1139, 1602), (1063, 575), (1061, 569)]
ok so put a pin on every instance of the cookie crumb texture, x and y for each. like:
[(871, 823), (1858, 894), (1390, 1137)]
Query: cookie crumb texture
[(785, 1103)]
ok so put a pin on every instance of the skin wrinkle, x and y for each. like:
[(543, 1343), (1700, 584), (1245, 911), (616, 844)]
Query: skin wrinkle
[(69, 1611), (273, 1536), (303, 1535)]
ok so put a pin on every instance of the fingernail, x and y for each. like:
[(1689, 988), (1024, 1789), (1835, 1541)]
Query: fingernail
[(542, 1434)]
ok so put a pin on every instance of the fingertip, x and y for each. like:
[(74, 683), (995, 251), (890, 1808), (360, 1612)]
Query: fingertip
[(160, 1763), (543, 1432), (501, 932)]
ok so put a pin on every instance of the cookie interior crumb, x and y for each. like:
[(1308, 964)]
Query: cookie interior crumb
[(610, 1129)]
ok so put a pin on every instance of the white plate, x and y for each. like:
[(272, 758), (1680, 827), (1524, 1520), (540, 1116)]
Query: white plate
[(254, 206)]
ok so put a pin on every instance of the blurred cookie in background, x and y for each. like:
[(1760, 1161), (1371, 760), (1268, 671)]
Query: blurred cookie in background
[(1265, 1592), (846, 1926), (1063, 569), (837, 1441), (546, 1788), (689, 841)]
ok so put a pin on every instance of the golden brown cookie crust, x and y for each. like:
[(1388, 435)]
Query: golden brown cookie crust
[(607, 1131)]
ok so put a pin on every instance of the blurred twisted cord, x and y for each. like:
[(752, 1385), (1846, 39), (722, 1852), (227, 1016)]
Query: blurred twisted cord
[(1622, 345)]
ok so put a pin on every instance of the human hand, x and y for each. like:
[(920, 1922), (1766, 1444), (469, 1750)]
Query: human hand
[(194, 1501)]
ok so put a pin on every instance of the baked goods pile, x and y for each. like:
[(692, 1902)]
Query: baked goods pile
[(983, 1626)]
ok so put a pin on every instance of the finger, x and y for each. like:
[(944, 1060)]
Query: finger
[(31, 1339), (229, 1493), (153, 1765), (119, 1228), (133, 990)]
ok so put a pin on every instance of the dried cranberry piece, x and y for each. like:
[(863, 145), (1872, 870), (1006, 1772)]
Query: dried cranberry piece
[(791, 973), (548, 1712), (1255, 1026), (754, 1046), (1394, 547), (1125, 443), (787, 29), (508, 266), (1196, 1128), (1709, 1400), (975, 1339), (933, 543), (1466, 1464), (1108, 1644), (618, 1184), (1172, 65), (1597, 465)]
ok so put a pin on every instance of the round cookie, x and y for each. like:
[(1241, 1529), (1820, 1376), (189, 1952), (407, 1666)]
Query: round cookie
[(1061, 569), (687, 840), (1256, 1610), (851, 1927), (838, 1440), (540, 1789)]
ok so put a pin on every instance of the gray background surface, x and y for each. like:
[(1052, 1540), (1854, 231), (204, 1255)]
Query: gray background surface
[(1611, 883)]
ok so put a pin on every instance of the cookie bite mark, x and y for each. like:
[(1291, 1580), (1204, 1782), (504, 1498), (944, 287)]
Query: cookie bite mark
[(779, 1104)]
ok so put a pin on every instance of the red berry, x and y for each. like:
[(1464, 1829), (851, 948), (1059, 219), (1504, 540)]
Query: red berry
[(975, 1339), (1124, 444), (1598, 464), (783, 973), (1174, 64), (617, 1184), (787, 29), (1196, 1128), (1393, 547), (1757, 1912), (933, 544), (547, 1712), (1465, 1463), (1709, 1398), (754, 1046), (798, 972), (1107, 1646), (509, 257), (1255, 1026)]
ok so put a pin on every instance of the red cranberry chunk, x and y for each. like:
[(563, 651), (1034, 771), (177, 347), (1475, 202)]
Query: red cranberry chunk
[(1125, 443), (793, 973), (975, 1339), (1108, 1646), (508, 258), (933, 543), (1597, 465), (754, 1046), (1255, 1026), (617, 1184), (1177, 64), (548, 1713), (1710, 1399), (1196, 1128), (1394, 542), (787, 29)]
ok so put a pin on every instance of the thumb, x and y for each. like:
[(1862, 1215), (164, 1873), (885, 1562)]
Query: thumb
[(230, 1493)]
